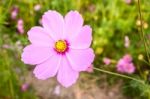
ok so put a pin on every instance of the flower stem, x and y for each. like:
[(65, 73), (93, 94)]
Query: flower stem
[(9, 4), (11, 88), (120, 75), (7, 67), (142, 33), (145, 62)]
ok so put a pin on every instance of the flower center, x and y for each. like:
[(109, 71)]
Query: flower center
[(61, 46)]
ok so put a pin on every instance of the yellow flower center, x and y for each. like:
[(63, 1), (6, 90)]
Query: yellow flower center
[(60, 46)]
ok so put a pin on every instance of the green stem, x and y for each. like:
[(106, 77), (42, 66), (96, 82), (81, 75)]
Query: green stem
[(11, 89), (9, 4), (145, 62), (142, 33), (120, 75), (7, 64)]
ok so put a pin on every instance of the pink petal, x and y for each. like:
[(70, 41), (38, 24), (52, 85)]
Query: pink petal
[(66, 75), (80, 59), (127, 58), (35, 55), (48, 68), (73, 24), (54, 23), (121, 66), (38, 36), (78, 42), (130, 68)]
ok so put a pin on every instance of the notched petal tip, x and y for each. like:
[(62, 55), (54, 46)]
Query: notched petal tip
[(67, 85), (66, 75), (53, 22), (39, 77), (75, 13), (73, 24)]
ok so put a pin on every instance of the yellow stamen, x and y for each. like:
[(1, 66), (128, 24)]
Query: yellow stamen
[(60, 46)]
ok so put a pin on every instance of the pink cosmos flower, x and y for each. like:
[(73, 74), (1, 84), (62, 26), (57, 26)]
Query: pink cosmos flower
[(125, 65), (106, 61), (60, 47), (127, 58), (20, 26)]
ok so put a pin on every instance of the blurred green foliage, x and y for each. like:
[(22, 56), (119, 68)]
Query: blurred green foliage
[(110, 20)]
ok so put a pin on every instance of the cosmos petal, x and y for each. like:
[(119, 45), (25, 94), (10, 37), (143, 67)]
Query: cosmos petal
[(66, 75), (53, 22), (80, 59), (35, 55), (83, 39), (38, 36), (48, 68), (73, 24)]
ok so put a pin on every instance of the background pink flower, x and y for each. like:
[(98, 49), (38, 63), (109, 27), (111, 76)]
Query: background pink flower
[(106, 61), (90, 69), (60, 47), (125, 65), (14, 12), (128, 1), (20, 26), (24, 87), (127, 58)]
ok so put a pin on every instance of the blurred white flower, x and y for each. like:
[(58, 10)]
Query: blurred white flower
[(6, 46), (126, 41), (128, 1), (40, 21), (18, 45), (37, 7), (57, 90), (106, 61)]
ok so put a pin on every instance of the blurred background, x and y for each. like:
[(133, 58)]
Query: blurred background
[(116, 37)]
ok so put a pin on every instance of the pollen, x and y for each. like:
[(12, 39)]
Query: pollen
[(61, 46)]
